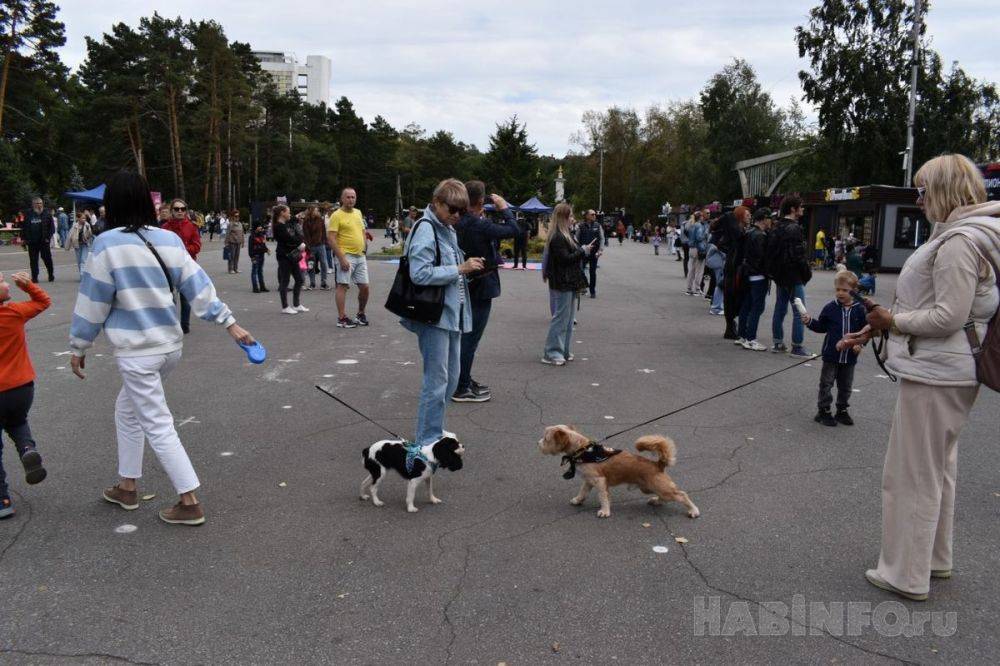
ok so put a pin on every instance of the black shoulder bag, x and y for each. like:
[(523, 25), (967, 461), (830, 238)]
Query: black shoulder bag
[(411, 301), (163, 266)]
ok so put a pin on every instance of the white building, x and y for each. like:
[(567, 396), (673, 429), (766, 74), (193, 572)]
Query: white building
[(312, 80)]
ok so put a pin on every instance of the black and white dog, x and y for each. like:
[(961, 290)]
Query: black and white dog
[(414, 463)]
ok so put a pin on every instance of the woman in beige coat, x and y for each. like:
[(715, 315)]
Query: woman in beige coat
[(945, 283), (234, 241), (79, 239)]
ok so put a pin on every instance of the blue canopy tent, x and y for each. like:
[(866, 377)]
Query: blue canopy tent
[(95, 195), (533, 205), (491, 207)]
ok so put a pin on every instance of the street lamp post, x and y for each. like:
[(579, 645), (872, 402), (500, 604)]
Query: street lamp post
[(911, 116), (600, 186)]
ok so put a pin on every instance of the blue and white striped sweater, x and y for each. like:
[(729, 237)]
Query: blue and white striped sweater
[(124, 291)]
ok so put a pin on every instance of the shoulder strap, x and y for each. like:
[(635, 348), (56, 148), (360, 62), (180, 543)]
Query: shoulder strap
[(163, 266), (437, 246)]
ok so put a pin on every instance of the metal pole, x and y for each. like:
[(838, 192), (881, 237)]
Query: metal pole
[(600, 187), (911, 118)]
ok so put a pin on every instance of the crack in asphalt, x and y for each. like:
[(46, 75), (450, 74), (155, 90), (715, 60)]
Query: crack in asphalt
[(21, 529), (739, 466), (78, 655)]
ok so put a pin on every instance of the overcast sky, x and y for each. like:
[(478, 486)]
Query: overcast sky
[(462, 70)]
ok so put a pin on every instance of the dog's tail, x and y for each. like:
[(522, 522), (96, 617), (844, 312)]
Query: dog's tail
[(664, 447)]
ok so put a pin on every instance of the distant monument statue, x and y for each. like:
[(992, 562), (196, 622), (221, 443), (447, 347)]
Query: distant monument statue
[(560, 187)]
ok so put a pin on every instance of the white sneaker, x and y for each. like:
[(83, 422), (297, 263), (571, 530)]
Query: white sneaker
[(290, 310), (301, 308), (740, 341), (753, 345)]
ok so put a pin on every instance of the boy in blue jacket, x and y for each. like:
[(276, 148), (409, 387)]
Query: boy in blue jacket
[(840, 316)]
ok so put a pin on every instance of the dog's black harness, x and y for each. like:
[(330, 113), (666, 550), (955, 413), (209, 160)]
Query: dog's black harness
[(592, 453)]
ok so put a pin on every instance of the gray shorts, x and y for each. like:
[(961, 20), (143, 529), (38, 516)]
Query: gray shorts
[(358, 273)]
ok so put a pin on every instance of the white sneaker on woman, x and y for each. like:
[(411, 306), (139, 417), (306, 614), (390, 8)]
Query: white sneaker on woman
[(753, 345), (301, 308), (290, 310)]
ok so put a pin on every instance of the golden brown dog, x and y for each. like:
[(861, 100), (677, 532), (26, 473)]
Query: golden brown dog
[(621, 467)]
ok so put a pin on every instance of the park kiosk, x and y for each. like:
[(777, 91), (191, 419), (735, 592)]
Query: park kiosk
[(882, 217)]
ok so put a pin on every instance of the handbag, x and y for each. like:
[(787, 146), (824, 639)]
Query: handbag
[(225, 253), (987, 352), (422, 304), (716, 259)]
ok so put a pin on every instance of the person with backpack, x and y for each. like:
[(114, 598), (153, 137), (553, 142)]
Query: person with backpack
[(696, 234), (788, 265), (943, 341)]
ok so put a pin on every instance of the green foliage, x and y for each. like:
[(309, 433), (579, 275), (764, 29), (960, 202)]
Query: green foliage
[(511, 164)]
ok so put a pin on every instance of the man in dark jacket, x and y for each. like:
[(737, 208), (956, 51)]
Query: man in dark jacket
[(589, 230), (479, 237), (36, 233), (788, 265), (753, 280)]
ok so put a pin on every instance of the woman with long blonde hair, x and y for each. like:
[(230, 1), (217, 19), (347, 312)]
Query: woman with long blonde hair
[(946, 295), (565, 278)]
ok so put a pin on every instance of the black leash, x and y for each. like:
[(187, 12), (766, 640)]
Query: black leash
[(366, 418), (704, 400)]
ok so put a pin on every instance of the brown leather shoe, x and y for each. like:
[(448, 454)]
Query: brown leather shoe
[(183, 514), (126, 499)]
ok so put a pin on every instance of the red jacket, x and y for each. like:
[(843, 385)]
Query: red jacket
[(188, 232)]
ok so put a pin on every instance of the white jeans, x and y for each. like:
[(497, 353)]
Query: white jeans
[(141, 411)]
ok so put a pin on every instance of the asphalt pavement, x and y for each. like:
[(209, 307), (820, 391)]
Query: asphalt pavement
[(292, 568)]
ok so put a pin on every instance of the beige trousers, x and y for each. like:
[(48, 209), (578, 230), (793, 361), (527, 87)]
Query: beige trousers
[(918, 482)]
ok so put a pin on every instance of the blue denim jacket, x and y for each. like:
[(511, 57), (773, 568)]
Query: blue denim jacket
[(420, 252)]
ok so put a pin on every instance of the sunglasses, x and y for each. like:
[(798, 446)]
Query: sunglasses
[(920, 192), (455, 209), (180, 209)]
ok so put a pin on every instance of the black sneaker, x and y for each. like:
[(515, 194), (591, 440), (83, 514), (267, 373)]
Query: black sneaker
[(32, 462), (361, 319), (826, 418), (843, 417), (479, 388), (346, 322), (6, 507), (779, 348), (468, 396)]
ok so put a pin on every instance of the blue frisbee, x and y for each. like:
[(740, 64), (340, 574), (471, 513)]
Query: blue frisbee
[(255, 352)]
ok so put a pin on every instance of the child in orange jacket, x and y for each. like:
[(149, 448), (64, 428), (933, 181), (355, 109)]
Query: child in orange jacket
[(17, 380)]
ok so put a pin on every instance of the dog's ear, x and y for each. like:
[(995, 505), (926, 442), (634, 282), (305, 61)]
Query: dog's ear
[(561, 438), (446, 452)]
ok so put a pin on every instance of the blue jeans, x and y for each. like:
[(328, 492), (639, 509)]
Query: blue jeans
[(82, 252), (329, 255), (470, 341), (752, 309), (319, 264), (440, 351), (782, 301), (560, 338), (718, 295), (257, 272)]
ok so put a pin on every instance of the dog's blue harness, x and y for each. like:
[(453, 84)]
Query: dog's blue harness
[(413, 453)]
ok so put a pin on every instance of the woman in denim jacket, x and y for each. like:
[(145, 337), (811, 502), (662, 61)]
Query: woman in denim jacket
[(440, 343)]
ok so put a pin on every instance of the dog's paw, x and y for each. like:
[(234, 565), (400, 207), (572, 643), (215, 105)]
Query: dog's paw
[(364, 498), (378, 502), (654, 501), (436, 500), (576, 501), (412, 509), (694, 513), (604, 513)]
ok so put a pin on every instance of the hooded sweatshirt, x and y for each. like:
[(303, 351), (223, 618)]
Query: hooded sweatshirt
[(946, 282)]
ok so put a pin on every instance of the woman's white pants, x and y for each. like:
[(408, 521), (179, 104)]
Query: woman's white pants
[(141, 412)]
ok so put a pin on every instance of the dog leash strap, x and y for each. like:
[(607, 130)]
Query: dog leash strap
[(704, 400), (365, 417)]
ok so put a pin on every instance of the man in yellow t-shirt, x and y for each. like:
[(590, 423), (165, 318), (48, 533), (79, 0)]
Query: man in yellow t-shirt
[(347, 235), (820, 248)]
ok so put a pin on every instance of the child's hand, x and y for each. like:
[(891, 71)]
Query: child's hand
[(805, 319), (857, 349), (21, 279)]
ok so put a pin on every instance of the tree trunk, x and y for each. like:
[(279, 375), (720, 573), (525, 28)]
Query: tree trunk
[(208, 159), (6, 64), (229, 153), (177, 148)]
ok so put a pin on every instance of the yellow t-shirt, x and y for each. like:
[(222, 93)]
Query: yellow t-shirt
[(350, 230), (820, 240)]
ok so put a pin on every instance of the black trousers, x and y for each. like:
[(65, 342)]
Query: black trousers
[(590, 268), (521, 249), (15, 404), (287, 269), (686, 251), (843, 375), (33, 252)]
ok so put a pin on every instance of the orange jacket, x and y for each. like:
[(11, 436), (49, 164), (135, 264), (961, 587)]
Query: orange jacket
[(15, 364)]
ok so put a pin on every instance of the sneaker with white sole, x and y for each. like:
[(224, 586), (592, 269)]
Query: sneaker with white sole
[(289, 310), (753, 345), (183, 514), (346, 322), (301, 308), (740, 341), (553, 361), (468, 395), (126, 499), (362, 319)]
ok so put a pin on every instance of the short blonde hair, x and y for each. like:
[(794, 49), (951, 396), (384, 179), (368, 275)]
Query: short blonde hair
[(951, 181), (452, 192), (847, 278)]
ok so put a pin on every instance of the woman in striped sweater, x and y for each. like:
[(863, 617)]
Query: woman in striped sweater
[(127, 290)]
